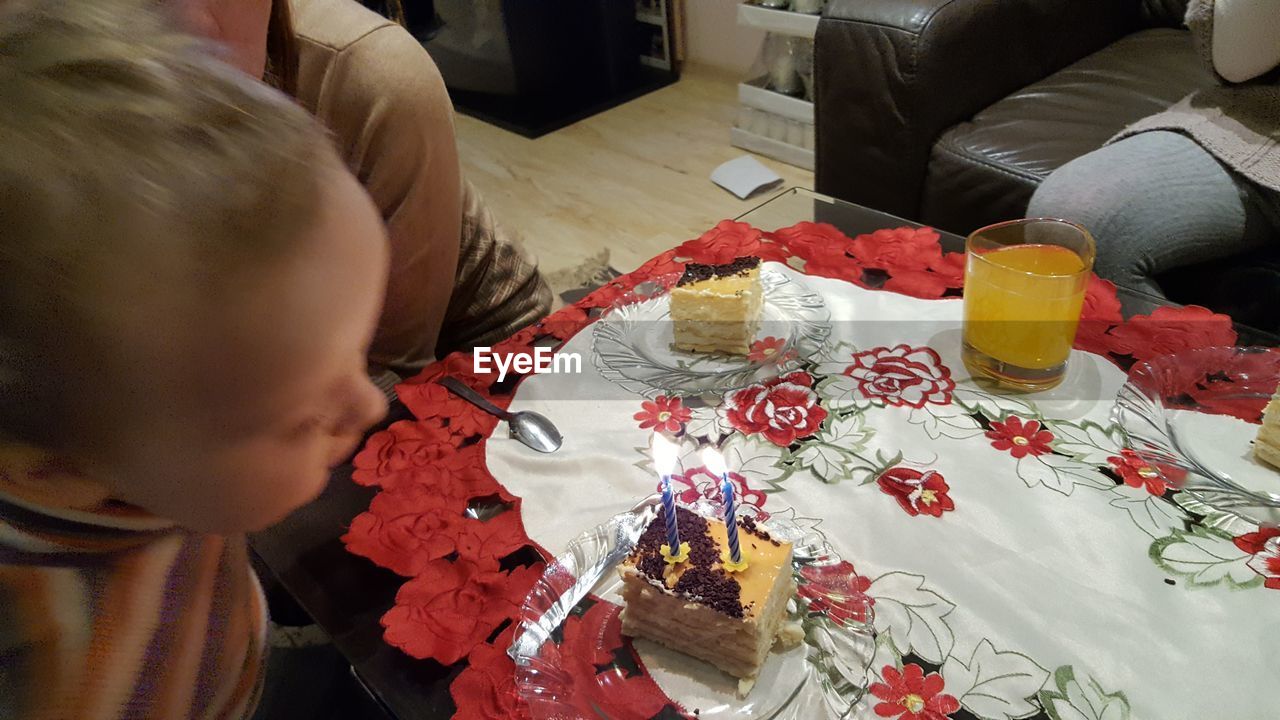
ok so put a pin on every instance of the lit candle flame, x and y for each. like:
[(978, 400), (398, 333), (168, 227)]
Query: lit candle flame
[(714, 462), (664, 455)]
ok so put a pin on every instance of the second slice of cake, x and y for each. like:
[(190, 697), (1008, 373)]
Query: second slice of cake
[(716, 308), (696, 607)]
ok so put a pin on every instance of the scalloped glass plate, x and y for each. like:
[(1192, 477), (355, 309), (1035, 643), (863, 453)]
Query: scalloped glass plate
[(822, 677), (1184, 414), (632, 342)]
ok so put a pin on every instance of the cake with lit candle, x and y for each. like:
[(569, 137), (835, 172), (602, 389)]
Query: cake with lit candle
[(716, 308), (1267, 445), (698, 607)]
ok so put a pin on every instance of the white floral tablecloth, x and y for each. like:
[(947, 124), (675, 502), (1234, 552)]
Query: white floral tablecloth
[(1022, 564)]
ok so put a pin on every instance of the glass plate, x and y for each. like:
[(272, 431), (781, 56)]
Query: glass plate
[(823, 677), (1193, 415), (632, 342)]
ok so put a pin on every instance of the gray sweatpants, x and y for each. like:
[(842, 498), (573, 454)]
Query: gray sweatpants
[(1157, 201)]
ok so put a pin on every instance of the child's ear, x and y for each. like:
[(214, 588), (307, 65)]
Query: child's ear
[(33, 475)]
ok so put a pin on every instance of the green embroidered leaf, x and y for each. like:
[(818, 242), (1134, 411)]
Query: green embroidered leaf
[(833, 454), (993, 684), (1087, 442), (757, 459), (913, 617), (1152, 515), (1074, 700), (945, 421), (993, 406), (1205, 557), (707, 423), (1060, 474), (828, 462)]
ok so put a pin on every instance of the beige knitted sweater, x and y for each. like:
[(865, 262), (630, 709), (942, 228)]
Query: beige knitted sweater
[(1239, 124)]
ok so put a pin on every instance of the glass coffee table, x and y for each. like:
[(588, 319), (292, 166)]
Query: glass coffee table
[(347, 595)]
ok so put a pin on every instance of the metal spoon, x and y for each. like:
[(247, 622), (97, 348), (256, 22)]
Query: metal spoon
[(529, 428)]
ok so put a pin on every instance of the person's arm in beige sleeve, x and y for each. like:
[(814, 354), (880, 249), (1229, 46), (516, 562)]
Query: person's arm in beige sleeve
[(391, 108)]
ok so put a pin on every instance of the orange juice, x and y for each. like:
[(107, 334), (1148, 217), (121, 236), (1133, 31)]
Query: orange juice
[(1022, 304)]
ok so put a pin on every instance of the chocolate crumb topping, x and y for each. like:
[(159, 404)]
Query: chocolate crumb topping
[(712, 588), (697, 272), (709, 585), (749, 524)]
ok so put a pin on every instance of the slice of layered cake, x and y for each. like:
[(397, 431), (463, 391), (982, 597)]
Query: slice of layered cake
[(729, 619), (716, 308), (1267, 447)]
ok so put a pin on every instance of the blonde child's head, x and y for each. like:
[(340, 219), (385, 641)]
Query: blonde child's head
[(188, 276)]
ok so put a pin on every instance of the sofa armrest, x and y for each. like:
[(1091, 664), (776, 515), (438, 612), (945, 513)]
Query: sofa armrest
[(892, 75)]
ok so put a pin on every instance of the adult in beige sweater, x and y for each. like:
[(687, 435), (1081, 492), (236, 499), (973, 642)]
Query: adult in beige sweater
[(458, 279), (1199, 181)]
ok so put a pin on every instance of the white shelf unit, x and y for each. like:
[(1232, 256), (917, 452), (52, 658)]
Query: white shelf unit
[(771, 123), (659, 19)]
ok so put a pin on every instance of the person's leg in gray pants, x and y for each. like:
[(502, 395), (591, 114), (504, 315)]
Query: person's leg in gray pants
[(1157, 201)]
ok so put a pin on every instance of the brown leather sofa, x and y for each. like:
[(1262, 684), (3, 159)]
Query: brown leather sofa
[(951, 112)]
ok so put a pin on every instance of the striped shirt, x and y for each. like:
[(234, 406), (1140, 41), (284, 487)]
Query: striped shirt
[(107, 613)]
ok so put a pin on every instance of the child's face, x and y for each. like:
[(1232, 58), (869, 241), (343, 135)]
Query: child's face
[(265, 392)]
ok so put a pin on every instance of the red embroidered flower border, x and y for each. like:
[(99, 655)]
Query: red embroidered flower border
[(464, 588)]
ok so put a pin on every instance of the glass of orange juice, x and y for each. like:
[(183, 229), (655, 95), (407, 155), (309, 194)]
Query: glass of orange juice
[(1023, 289)]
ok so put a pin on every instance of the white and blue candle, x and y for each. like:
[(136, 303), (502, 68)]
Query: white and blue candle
[(664, 460), (712, 459)]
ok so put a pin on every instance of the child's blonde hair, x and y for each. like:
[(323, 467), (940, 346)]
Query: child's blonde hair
[(132, 162)]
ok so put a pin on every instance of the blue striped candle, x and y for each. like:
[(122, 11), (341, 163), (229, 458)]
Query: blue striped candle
[(715, 465), (664, 460)]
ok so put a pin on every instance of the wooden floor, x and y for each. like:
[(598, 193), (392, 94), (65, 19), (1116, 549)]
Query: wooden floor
[(634, 180)]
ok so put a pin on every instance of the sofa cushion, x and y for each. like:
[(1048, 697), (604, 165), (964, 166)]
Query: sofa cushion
[(984, 170)]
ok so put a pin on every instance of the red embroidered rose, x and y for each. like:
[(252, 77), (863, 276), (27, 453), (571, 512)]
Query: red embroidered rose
[(698, 483), (460, 365), (911, 695), (431, 401), (588, 651), (660, 266), (917, 492), (902, 376), (836, 591), (486, 689), (783, 409), (405, 529), (1265, 561), (1020, 438), (1101, 302), (402, 451), (491, 539), (950, 266), (917, 283), (765, 349), (806, 239), (1267, 564), (453, 606), (724, 243), (1172, 329), (566, 322), (1223, 381), (1254, 542), (663, 414), (898, 249), (521, 341), (1100, 312), (1138, 473)]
